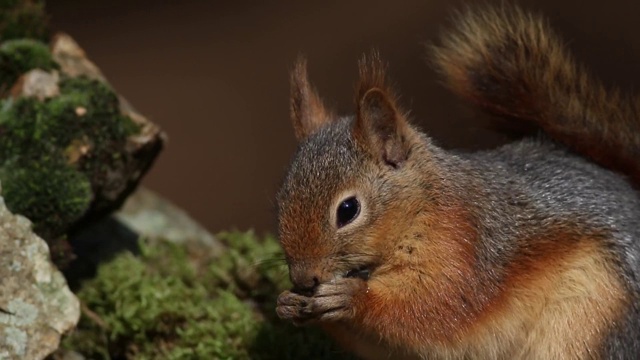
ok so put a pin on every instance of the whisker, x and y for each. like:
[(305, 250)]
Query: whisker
[(271, 261)]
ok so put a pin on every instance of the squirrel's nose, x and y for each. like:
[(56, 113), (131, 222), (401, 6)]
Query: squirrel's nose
[(305, 281)]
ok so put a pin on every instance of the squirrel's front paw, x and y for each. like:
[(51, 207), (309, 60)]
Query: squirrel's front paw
[(295, 307), (331, 301)]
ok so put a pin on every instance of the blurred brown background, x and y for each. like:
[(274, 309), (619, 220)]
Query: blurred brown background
[(213, 74)]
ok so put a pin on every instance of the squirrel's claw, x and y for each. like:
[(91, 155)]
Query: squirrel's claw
[(294, 307), (331, 302)]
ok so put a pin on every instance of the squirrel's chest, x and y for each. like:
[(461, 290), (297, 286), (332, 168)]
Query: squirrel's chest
[(556, 310)]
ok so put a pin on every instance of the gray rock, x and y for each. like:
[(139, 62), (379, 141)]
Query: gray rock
[(72, 59), (154, 217), (37, 83), (145, 214), (36, 305)]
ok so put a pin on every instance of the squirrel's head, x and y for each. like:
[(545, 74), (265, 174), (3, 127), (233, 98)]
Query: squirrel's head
[(353, 183)]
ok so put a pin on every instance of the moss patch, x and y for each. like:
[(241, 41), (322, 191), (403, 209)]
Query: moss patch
[(35, 188), (23, 19), (173, 302), (52, 150), (19, 56)]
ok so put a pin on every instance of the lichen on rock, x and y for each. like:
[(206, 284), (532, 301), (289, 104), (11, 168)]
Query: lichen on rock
[(36, 306)]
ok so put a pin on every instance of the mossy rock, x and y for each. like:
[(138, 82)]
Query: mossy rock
[(175, 302), (55, 154), (63, 129)]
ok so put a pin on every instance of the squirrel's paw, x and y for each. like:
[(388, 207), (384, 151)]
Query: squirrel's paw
[(331, 301)]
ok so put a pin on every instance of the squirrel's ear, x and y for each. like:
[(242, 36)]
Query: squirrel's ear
[(380, 126), (308, 113)]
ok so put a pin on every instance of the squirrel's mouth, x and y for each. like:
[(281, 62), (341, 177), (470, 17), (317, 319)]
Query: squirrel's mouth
[(362, 272)]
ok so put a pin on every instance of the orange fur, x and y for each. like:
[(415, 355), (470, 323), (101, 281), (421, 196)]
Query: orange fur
[(557, 306), (308, 113), (372, 71), (565, 288), (435, 256)]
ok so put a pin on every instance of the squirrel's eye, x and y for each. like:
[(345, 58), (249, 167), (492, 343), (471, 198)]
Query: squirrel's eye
[(348, 210)]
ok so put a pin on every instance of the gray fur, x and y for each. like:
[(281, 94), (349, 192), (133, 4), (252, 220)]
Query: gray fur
[(526, 187), (549, 184)]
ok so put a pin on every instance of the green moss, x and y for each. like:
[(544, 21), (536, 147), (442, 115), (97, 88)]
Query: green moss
[(250, 268), (6, 5), (33, 189), (41, 145), (173, 302), (23, 124), (23, 19), (20, 56), (102, 123), (55, 123)]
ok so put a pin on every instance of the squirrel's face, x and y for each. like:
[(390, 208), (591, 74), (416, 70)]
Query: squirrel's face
[(323, 207), (347, 185)]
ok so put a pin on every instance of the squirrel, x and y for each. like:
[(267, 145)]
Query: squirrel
[(400, 249)]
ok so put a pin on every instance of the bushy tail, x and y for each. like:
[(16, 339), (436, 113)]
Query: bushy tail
[(511, 64)]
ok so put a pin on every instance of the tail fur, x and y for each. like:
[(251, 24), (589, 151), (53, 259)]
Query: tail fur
[(511, 64)]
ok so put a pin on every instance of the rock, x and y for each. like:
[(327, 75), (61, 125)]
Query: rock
[(154, 217), (72, 59), (141, 147), (145, 214), (68, 355), (37, 83), (36, 306), (92, 146)]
